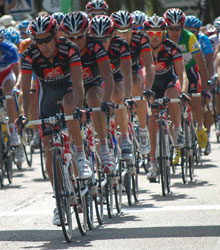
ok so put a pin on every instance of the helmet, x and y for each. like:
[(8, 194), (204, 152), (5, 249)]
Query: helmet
[(43, 24), (58, 16), (174, 17), (75, 22), (23, 24), (155, 22), (122, 19), (217, 23), (96, 5), (139, 17), (192, 21), (101, 26), (210, 29), (12, 35), (2, 32)]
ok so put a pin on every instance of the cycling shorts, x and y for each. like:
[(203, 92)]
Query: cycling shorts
[(10, 76), (48, 95), (193, 76), (160, 87)]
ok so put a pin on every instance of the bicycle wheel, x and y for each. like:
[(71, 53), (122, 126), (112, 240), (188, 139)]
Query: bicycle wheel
[(128, 183), (163, 162), (99, 202), (62, 194), (135, 188), (91, 208), (118, 188), (42, 161), (8, 166), (109, 196), (26, 141), (81, 210)]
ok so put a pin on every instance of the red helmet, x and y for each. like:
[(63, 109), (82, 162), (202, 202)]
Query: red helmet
[(75, 22), (43, 24), (122, 19), (174, 16), (101, 26)]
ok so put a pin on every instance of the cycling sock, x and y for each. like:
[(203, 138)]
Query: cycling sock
[(200, 127), (79, 151), (103, 145)]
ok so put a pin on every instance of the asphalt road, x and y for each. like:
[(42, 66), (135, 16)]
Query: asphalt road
[(187, 219)]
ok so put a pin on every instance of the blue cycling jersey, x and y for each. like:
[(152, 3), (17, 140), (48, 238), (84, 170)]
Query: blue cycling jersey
[(9, 56), (205, 44)]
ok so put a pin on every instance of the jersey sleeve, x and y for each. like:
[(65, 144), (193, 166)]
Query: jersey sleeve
[(100, 53), (125, 51), (177, 54), (74, 56), (13, 56), (26, 63), (194, 45), (206, 45), (145, 44)]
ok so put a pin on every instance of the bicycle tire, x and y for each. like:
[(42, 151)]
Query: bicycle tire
[(91, 209), (28, 150), (128, 188), (161, 161), (99, 202), (118, 189), (8, 167), (42, 161), (135, 188), (61, 195), (109, 197), (81, 210)]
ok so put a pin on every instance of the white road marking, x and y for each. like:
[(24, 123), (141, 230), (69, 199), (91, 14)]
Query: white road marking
[(125, 210)]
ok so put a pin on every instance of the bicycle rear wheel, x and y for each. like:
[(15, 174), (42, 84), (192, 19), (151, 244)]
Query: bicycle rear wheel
[(109, 196), (62, 195), (8, 166)]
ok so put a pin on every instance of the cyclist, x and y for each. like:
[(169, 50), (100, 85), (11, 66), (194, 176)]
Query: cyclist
[(141, 55), (56, 64), (194, 65), (168, 82), (96, 70), (215, 40), (102, 29), (139, 17), (193, 25), (9, 72), (22, 27), (96, 7)]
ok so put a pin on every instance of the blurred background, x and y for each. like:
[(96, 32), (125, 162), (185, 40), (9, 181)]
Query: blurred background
[(206, 10)]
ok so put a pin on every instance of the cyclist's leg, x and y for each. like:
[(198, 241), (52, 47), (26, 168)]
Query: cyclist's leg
[(138, 81), (173, 91), (217, 106), (121, 119), (94, 95), (196, 104)]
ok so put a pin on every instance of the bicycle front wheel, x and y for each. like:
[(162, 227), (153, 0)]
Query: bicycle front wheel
[(42, 161), (62, 194), (28, 151)]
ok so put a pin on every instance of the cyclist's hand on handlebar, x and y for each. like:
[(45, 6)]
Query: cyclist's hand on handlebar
[(149, 95), (132, 105), (21, 121), (186, 100), (107, 107), (80, 115), (206, 96)]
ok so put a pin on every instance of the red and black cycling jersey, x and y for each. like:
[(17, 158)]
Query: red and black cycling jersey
[(164, 63), (91, 55), (139, 44), (66, 55), (118, 50)]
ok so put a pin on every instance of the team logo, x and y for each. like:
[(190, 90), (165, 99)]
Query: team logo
[(86, 72), (53, 72), (159, 66), (97, 47), (71, 52), (28, 59)]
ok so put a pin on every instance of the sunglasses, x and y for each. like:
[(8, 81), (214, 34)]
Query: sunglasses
[(155, 33), (44, 40), (174, 28), (72, 38), (125, 31), (104, 39)]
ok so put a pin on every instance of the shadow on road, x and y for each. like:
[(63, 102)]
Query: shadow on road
[(53, 239)]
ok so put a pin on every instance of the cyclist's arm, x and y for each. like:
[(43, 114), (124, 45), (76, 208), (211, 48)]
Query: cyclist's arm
[(106, 73), (16, 69), (149, 66), (77, 82), (179, 68), (202, 68), (25, 84), (210, 64), (127, 76)]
